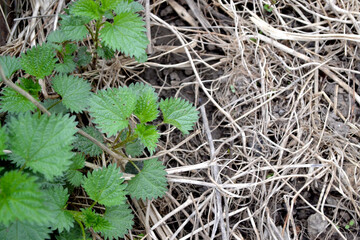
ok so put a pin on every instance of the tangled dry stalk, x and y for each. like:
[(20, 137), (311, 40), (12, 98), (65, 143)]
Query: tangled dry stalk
[(275, 153)]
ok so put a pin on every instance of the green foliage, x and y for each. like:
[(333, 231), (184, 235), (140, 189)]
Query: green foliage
[(43, 143), (73, 234), (13, 102), (179, 113), (94, 220), (34, 198), (111, 109), (73, 175), (85, 145), (55, 106), (75, 92), (85, 8), (67, 66), (146, 106), (120, 219), (83, 57), (3, 141), (150, 182), (73, 27), (57, 36), (105, 186), (134, 148), (21, 199), (9, 65), (128, 6), (24, 231), (148, 136), (125, 34), (56, 199), (39, 61)]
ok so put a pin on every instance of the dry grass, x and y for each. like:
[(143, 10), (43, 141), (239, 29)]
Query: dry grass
[(278, 137)]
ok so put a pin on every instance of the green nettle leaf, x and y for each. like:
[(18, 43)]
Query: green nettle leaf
[(68, 66), (39, 61), (74, 234), (126, 34), (148, 135), (146, 107), (105, 52), (134, 149), (150, 182), (56, 106), (105, 186), (83, 57), (29, 85), (21, 199), (73, 27), (94, 220), (86, 8), (126, 6), (109, 4), (130, 168), (43, 143), (3, 140), (57, 36), (180, 113), (70, 48), (56, 199), (85, 145), (24, 231), (14, 102), (9, 65), (111, 109), (75, 92), (73, 175), (78, 161), (120, 219)]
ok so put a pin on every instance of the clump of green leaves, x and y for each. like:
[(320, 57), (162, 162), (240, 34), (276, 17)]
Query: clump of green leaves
[(112, 25), (45, 156)]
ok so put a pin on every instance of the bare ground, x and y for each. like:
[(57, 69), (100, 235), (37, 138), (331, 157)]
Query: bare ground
[(275, 154)]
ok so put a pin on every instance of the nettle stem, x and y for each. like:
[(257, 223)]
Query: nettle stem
[(96, 41)]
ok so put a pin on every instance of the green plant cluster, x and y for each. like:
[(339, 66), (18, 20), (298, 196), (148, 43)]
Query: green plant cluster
[(43, 157)]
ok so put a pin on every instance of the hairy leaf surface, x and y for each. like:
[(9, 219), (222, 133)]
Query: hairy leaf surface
[(75, 92), (105, 186), (67, 66), (128, 6), (39, 61), (57, 36), (109, 4), (94, 220), (13, 102), (85, 145), (9, 65), (3, 140), (86, 8), (111, 109), (146, 106), (56, 106), (126, 34), (74, 27), (180, 113), (42, 143), (24, 231), (148, 135), (56, 199), (120, 219), (150, 182), (21, 199)]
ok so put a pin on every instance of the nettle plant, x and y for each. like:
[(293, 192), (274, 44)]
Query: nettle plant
[(42, 153)]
